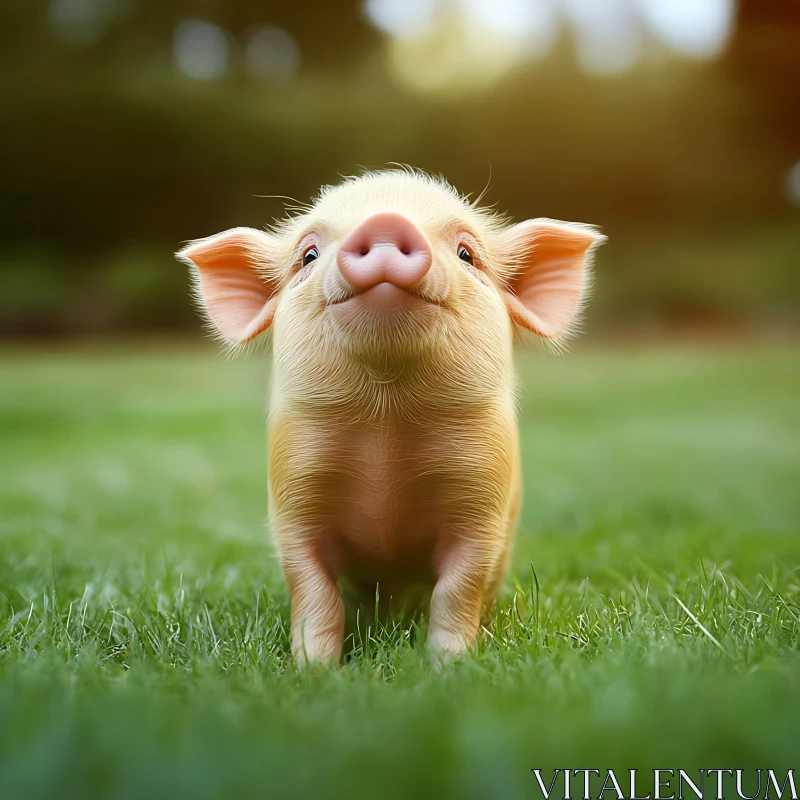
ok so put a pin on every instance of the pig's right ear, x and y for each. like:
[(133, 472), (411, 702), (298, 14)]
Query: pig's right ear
[(235, 281)]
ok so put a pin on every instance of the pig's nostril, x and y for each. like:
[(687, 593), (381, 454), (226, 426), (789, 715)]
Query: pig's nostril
[(384, 248)]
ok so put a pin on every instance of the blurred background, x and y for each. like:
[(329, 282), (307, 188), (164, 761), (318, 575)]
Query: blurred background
[(129, 126)]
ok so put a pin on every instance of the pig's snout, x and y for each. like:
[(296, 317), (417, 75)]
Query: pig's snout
[(385, 248)]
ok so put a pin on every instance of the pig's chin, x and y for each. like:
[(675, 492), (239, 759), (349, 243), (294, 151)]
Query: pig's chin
[(383, 314)]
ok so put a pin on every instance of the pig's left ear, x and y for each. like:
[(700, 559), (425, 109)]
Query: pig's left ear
[(235, 281), (548, 276)]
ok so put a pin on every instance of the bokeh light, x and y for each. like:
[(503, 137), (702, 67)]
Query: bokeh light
[(443, 41), (532, 23), (793, 184), (200, 49), (608, 39), (400, 17), (81, 23), (698, 28), (272, 53)]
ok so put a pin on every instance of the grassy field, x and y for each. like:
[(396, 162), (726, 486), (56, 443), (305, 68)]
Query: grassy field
[(143, 618)]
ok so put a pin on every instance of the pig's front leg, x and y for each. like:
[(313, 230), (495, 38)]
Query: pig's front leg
[(317, 610), (457, 599)]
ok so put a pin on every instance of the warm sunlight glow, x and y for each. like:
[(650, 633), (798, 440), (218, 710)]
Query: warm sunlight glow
[(530, 23), (443, 44), (452, 57), (400, 18), (608, 38), (696, 28)]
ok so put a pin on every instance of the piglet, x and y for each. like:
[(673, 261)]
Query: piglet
[(393, 443)]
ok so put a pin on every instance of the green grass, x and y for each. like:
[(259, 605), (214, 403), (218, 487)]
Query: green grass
[(143, 618)]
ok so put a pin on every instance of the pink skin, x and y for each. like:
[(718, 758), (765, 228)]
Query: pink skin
[(383, 259)]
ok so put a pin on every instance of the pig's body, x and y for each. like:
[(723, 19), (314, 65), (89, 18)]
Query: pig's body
[(395, 476), (386, 501), (393, 454)]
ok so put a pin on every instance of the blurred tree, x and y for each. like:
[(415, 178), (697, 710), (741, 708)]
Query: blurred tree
[(110, 156), (764, 58), (333, 35)]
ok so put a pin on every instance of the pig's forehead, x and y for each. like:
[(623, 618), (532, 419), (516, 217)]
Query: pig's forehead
[(430, 203)]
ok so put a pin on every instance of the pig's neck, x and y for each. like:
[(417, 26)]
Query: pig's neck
[(373, 392)]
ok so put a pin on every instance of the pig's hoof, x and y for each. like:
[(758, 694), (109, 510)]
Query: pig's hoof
[(315, 666), (306, 661), (444, 649)]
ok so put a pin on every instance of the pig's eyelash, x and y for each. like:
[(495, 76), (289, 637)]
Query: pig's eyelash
[(477, 273), (301, 275)]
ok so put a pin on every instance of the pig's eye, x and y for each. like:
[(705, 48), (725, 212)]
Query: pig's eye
[(312, 254), (465, 254)]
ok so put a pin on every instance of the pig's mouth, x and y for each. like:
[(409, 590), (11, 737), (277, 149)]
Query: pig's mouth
[(386, 296), (384, 318)]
